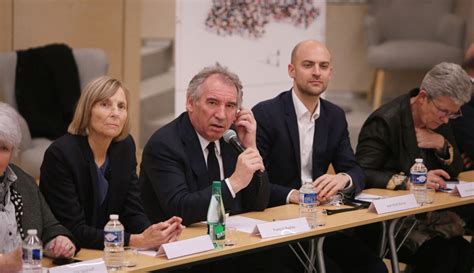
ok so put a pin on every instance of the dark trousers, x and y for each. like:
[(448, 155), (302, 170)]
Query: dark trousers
[(342, 254), (441, 255), (348, 254), (437, 255)]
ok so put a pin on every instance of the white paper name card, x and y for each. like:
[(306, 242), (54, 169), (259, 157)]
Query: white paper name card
[(465, 189), (91, 266), (392, 204), (186, 247), (283, 227)]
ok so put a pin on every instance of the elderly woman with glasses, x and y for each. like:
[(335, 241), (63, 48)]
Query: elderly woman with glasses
[(22, 205), (416, 125), (90, 173)]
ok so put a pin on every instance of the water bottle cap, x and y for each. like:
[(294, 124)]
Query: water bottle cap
[(114, 217), (419, 160), (32, 232)]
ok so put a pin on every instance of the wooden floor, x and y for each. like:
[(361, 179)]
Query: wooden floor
[(389, 266)]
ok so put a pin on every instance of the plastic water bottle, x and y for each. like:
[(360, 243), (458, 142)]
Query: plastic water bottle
[(418, 175), (113, 243), (32, 252), (308, 203), (216, 216)]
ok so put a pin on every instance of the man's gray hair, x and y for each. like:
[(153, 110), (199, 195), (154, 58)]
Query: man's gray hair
[(10, 131), (194, 88), (450, 80)]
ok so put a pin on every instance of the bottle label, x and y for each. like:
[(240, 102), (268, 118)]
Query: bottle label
[(35, 254), (217, 231), (418, 178), (113, 237), (308, 198)]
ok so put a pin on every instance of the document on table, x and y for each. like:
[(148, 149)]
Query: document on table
[(90, 266), (241, 223), (450, 186), (367, 197), (152, 253)]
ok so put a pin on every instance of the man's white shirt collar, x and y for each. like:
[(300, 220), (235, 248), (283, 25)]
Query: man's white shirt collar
[(302, 111), (204, 142)]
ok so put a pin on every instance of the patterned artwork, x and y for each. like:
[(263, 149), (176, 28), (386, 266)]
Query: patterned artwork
[(248, 18)]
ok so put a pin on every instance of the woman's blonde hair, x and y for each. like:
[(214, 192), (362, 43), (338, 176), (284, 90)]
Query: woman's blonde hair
[(96, 91)]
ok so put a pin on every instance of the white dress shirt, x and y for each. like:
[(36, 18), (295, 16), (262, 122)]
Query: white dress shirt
[(9, 236), (306, 121)]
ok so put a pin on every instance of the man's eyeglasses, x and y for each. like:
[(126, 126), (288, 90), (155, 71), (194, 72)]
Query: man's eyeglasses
[(444, 112)]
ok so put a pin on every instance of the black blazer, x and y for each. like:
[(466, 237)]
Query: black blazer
[(68, 182), (387, 144), (278, 142), (174, 178)]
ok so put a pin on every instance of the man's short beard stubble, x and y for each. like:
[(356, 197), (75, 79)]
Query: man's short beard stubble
[(308, 93)]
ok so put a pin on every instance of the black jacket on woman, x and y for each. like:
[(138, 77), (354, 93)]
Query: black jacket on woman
[(387, 144), (69, 180)]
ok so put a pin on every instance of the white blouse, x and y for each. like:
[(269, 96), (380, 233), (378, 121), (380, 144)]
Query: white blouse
[(9, 237)]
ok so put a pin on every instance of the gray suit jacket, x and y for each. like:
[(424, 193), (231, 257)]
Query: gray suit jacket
[(36, 212)]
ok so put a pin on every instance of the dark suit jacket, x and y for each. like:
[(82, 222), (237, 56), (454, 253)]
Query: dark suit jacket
[(278, 142), (68, 182), (464, 129), (174, 179), (387, 144)]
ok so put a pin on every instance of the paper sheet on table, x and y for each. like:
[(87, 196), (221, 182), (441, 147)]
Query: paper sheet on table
[(367, 197), (451, 186), (149, 253), (89, 266), (242, 223)]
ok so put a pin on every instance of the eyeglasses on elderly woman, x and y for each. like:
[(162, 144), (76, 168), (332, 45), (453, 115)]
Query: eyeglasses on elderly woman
[(443, 112)]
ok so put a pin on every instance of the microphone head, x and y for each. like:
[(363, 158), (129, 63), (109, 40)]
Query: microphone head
[(228, 135)]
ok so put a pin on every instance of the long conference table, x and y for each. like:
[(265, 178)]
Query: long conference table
[(334, 223)]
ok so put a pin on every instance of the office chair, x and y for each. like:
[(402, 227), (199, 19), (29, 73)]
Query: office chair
[(410, 35), (91, 63)]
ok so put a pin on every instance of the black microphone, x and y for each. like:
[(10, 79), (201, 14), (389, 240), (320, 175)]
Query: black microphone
[(231, 137)]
